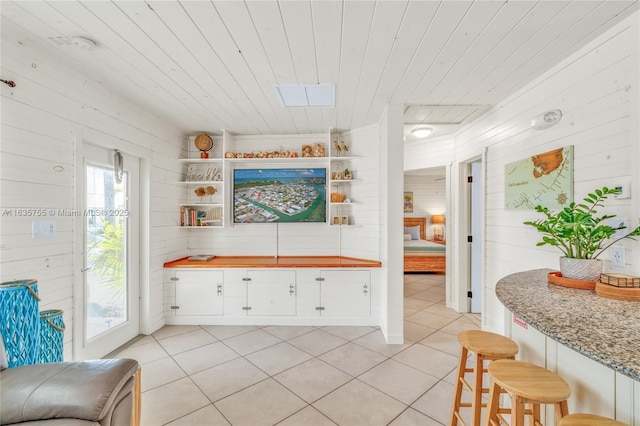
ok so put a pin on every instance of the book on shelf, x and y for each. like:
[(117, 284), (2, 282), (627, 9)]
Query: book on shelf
[(191, 217), (201, 257)]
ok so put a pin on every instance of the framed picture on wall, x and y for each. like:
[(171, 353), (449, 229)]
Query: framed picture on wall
[(408, 202)]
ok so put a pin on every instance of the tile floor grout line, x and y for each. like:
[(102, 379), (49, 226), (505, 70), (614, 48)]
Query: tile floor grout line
[(429, 288)]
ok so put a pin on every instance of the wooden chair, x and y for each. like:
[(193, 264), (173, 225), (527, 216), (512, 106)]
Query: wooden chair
[(487, 347)]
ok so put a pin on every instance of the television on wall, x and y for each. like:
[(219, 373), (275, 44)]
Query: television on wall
[(279, 195)]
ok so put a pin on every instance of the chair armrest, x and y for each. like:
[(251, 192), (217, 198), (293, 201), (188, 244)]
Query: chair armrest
[(83, 390)]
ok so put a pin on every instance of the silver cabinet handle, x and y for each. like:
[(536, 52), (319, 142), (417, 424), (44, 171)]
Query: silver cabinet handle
[(219, 289)]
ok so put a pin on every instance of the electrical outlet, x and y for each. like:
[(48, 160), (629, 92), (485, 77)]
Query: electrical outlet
[(43, 229), (617, 256)]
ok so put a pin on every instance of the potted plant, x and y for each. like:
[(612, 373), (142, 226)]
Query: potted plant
[(580, 234)]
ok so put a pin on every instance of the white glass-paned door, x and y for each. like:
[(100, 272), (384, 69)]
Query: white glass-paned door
[(109, 289)]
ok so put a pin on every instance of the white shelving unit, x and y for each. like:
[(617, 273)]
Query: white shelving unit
[(217, 171), (203, 179)]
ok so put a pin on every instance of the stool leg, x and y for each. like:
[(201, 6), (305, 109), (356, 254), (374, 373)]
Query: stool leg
[(476, 402), (535, 413), (462, 365), (493, 404), (562, 409), (517, 411)]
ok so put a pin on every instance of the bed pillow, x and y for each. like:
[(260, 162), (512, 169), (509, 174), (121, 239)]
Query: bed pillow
[(414, 231), (407, 237)]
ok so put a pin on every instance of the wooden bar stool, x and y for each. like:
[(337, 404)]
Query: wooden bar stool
[(526, 384), (487, 347), (588, 420)]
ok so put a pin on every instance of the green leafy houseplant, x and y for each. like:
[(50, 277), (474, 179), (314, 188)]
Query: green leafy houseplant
[(577, 230)]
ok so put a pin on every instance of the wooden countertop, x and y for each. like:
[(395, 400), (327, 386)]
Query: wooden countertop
[(275, 262), (605, 330)]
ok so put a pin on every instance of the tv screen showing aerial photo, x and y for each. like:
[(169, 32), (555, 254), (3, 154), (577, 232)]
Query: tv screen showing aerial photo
[(279, 195)]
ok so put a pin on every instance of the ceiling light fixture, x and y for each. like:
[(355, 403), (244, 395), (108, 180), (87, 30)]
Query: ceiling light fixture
[(306, 95), (546, 120), (422, 131)]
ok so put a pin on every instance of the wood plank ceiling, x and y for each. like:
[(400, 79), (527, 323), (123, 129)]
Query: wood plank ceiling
[(211, 65)]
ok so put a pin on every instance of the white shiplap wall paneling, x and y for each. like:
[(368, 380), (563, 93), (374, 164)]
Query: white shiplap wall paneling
[(474, 22), (592, 89), (439, 31), (385, 25), (352, 54)]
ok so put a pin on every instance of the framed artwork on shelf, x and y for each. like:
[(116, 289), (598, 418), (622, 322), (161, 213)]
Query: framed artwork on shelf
[(408, 202)]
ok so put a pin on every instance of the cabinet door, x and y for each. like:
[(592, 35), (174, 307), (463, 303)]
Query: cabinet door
[(199, 293), (271, 293), (345, 293), (592, 384), (235, 292)]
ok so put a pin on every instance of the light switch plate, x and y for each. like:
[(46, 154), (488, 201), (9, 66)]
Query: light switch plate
[(43, 229)]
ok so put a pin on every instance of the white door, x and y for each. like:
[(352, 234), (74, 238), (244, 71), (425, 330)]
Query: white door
[(477, 237), (107, 296)]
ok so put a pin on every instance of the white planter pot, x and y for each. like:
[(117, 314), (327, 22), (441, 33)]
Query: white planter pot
[(581, 269)]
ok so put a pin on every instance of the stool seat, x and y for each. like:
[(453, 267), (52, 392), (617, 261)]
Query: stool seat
[(588, 420), (491, 345), (529, 381)]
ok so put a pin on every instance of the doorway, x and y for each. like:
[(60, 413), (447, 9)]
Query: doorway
[(107, 296), (476, 207)]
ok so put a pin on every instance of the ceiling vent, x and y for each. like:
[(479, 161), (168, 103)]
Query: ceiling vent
[(306, 95)]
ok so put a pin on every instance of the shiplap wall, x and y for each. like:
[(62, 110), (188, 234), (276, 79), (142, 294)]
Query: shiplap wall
[(429, 197), (44, 119), (597, 90)]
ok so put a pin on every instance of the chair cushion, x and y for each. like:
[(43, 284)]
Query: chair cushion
[(82, 390)]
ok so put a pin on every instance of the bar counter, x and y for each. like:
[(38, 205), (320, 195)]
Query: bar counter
[(605, 330)]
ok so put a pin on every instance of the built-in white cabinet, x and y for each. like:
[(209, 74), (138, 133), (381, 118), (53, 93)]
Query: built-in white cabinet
[(271, 292), (334, 293), (198, 293), (295, 296), (345, 293)]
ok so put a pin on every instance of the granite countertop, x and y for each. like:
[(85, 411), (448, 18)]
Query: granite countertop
[(605, 330)]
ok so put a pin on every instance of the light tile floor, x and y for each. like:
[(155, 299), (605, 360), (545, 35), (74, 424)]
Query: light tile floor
[(268, 375)]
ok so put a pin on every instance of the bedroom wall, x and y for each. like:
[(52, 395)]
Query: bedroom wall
[(597, 91), (44, 118), (429, 197)]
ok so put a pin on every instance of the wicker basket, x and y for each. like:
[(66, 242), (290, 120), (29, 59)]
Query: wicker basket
[(19, 323), (51, 336)]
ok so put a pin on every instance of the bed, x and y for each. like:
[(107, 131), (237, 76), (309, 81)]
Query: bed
[(422, 255)]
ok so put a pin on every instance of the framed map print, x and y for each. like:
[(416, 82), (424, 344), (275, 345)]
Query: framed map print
[(545, 179)]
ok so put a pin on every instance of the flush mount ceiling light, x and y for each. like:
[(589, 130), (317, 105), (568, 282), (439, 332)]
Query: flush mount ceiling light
[(306, 95), (422, 131), (546, 120)]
